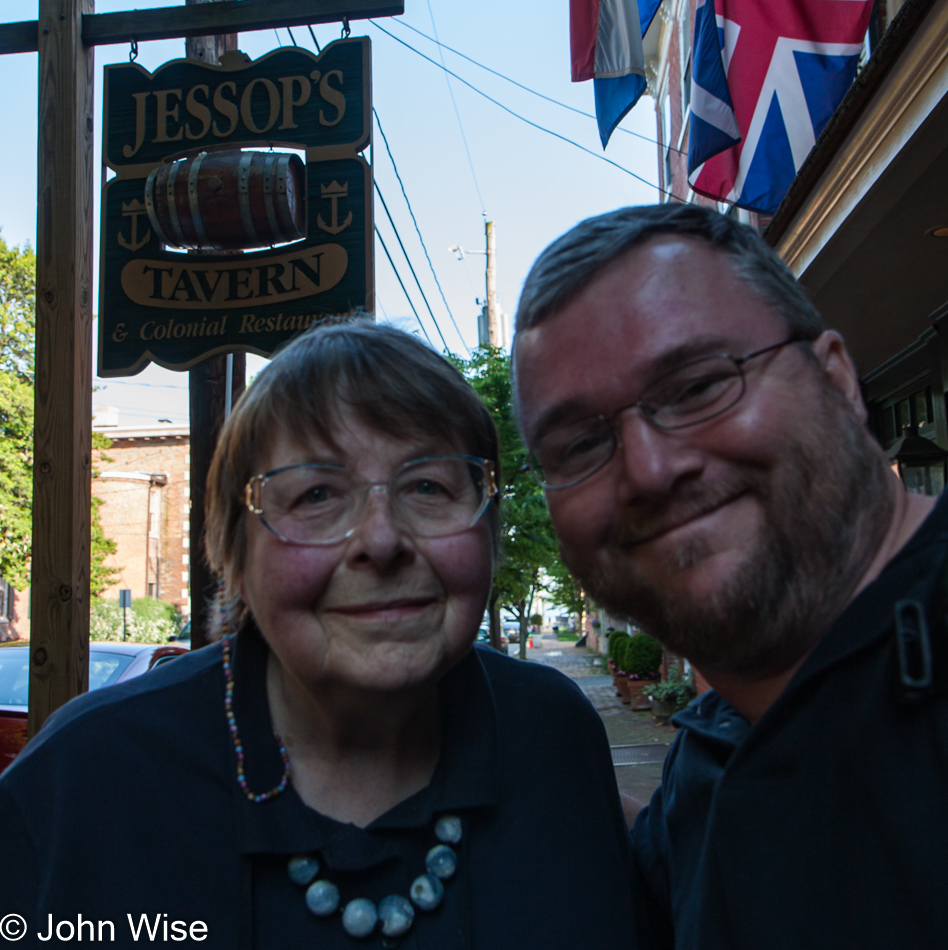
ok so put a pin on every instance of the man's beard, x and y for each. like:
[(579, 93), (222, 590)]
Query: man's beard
[(825, 516)]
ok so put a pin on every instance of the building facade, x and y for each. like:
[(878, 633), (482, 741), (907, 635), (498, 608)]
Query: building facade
[(865, 229), (144, 485), (14, 613)]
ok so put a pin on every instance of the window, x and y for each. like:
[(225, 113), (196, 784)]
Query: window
[(14, 676), (914, 409), (686, 93), (106, 668), (665, 137), (6, 601)]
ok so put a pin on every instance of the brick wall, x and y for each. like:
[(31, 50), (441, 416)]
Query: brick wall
[(144, 485), (14, 613)]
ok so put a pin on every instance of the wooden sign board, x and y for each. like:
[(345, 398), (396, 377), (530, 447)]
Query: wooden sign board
[(167, 292)]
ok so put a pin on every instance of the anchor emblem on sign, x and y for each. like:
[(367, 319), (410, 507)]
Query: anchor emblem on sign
[(134, 210), (334, 192)]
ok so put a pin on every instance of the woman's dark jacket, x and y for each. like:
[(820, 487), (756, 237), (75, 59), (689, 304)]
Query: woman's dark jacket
[(127, 803)]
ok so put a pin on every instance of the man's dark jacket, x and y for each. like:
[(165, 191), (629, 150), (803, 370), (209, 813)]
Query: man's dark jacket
[(825, 825)]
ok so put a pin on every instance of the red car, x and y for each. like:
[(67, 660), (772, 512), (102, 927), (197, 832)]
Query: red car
[(109, 663)]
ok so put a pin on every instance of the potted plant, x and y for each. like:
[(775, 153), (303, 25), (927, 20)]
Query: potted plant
[(674, 694), (616, 638), (621, 678), (643, 659)]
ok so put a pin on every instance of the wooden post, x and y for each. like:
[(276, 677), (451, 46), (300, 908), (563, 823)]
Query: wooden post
[(208, 383), (59, 638), (207, 391)]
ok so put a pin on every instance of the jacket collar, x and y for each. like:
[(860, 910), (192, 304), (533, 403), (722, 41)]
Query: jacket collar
[(466, 776), (868, 618)]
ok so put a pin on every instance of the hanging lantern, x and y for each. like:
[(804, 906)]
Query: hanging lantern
[(919, 462)]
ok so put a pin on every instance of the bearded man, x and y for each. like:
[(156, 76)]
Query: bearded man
[(703, 446)]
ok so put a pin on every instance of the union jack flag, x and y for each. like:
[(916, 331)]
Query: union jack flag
[(766, 77)]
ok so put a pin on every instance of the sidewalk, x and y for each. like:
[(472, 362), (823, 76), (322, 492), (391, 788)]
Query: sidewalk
[(636, 738)]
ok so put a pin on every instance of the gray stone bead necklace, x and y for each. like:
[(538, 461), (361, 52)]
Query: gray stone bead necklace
[(394, 914)]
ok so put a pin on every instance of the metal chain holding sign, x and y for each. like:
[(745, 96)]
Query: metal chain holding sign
[(209, 384)]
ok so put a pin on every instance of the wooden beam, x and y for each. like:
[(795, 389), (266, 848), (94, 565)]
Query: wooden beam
[(59, 634), (207, 387), (18, 37), (228, 16)]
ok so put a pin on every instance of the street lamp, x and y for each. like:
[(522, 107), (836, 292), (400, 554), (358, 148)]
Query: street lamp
[(919, 462)]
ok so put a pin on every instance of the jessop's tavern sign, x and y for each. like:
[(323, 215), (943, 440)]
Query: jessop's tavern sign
[(212, 238)]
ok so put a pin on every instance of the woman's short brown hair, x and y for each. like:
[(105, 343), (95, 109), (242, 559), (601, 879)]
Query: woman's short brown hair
[(387, 379)]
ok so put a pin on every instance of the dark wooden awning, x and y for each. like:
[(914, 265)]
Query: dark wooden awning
[(856, 225)]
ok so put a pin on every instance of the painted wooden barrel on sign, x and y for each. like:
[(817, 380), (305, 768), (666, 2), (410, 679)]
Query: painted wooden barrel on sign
[(228, 200)]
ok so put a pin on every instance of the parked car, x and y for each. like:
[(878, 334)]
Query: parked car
[(109, 663), (184, 637), (512, 631)]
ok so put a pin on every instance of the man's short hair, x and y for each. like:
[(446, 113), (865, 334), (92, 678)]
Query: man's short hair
[(574, 260), (389, 380)]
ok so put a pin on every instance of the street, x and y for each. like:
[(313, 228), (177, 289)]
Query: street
[(639, 744)]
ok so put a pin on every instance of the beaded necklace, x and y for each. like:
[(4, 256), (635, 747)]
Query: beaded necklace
[(235, 737), (394, 914)]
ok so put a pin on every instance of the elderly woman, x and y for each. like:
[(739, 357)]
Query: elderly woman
[(344, 766)]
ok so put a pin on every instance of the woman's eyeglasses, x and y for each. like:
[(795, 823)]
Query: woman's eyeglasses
[(693, 393), (320, 504)]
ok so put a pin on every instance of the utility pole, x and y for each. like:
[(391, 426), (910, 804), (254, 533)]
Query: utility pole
[(488, 322), (214, 385), (493, 317)]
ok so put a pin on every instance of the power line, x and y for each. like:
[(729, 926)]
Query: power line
[(530, 122), (457, 113), (418, 230), (398, 276), (313, 35), (534, 92), (124, 382), (410, 267)]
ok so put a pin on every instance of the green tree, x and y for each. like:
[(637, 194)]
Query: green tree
[(17, 329), (17, 345), (16, 477), (565, 591), (528, 543), (101, 577), (17, 310)]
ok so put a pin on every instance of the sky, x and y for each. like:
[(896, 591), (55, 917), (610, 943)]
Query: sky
[(462, 159)]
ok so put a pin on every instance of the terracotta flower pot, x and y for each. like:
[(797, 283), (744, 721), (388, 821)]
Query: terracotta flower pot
[(625, 691), (639, 694)]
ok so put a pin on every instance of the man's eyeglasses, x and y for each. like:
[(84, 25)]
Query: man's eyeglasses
[(691, 394), (321, 504)]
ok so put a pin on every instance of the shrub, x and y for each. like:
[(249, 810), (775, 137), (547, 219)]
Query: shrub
[(616, 640), (677, 689), (644, 657), (149, 620)]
